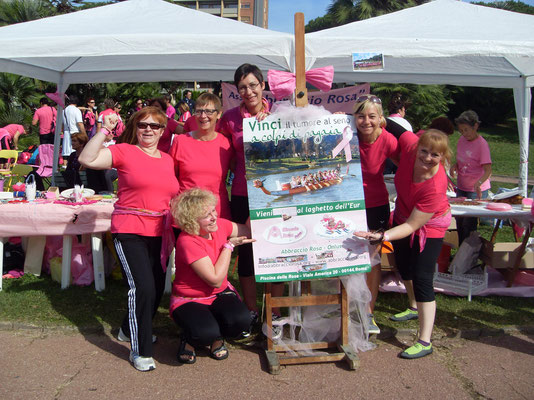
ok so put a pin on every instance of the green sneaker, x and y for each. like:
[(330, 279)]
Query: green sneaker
[(417, 351), (406, 315), (373, 327)]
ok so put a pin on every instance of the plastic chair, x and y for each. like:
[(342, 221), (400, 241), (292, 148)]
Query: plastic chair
[(46, 159), (6, 173)]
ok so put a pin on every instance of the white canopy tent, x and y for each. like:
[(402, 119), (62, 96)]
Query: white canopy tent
[(138, 41), (441, 42)]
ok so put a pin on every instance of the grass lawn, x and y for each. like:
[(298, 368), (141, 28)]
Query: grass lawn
[(40, 301)]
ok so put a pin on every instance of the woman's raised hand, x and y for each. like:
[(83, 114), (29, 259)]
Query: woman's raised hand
[(110, 121)]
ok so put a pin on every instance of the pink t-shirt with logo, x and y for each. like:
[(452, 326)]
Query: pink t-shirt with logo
[(429, 196), (187, 283), (45, 115), (204, 164), (144, 182), (470, 158), (373, 160)]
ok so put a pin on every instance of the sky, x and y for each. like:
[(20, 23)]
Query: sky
[(282, 12)]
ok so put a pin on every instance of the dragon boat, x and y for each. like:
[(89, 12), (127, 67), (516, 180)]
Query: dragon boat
[(288, 190)]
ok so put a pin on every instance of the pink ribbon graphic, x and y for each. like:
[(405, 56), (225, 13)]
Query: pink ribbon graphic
[(344, 144), (57, 97), (283, 83)]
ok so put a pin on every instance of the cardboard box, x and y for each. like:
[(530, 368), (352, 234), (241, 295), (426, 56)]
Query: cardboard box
[(504, 255)]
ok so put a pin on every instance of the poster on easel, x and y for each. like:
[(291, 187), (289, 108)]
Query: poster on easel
[(305, 193)]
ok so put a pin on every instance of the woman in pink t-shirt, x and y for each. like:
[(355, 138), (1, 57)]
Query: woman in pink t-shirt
[(140, 222), (472, 167), (376, 146), (203, 303), (185, 113), (202, 158), (422, 215), (249, 82)]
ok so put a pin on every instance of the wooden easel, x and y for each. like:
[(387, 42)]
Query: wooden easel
[(276, 354)]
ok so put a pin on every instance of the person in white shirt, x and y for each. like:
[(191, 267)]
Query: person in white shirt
[(73, 123)]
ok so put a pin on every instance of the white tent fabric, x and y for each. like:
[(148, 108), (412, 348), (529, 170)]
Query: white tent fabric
[(138, 41), (441, 42)]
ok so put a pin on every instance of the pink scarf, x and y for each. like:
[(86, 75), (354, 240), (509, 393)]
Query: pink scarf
[(246, 114), (167, 236), (443, 221)]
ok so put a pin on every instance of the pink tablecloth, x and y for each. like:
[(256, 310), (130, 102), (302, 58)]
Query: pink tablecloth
[(46, 219)]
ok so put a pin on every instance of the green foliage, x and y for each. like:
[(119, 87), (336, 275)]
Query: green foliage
[(15, 115), (342, 12), (427, 101), (511, 5), (493, 106), (17, 90), (16, 11)]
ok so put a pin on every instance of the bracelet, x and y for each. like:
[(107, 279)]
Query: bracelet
[(105, 131), (379, 240), (229, 245)]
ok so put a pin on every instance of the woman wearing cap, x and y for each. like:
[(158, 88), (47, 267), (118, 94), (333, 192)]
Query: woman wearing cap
[(249, 82), (139, 221), (421, 217), (472, 167), (203, 303), (376, 146)]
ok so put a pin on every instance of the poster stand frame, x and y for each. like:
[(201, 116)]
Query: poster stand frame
[(278, 355)]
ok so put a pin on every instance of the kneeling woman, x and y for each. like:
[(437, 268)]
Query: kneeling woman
[(422, 215), (203, 303)]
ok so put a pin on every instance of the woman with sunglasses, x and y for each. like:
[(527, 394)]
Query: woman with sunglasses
[(90, 115), (202, 157), (146, 185), (376, 146), (422, 216), (248, 80)]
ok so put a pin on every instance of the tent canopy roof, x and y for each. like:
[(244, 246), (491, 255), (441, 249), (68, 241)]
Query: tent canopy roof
[(139, 41), (444, 41)]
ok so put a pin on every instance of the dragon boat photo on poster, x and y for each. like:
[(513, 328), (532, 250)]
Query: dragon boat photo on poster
[(305, 193)]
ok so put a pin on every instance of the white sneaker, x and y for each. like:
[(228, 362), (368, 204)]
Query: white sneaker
[(278, 326), (253, 320), (142, 363), (121, 337)]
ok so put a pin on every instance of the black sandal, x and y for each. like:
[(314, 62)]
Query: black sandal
[(186, 356), (220, 353)]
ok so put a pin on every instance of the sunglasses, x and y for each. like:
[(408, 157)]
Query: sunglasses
[(145, 125), (206, 111), (368, 97)]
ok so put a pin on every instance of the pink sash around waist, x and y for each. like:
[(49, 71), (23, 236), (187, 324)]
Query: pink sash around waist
[(443, 221), (167, 234)]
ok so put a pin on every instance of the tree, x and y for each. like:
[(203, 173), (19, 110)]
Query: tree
[(342, 12), (16, 11), (511, 5)]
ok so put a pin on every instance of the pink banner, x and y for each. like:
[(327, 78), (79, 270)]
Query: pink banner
[(335, 100)]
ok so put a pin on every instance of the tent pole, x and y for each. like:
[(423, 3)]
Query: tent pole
[(522, 98), (61, 88)]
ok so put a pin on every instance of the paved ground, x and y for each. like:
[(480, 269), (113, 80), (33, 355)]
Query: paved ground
[(62, 365)]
